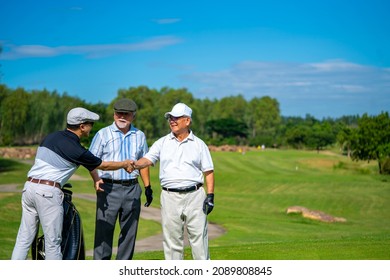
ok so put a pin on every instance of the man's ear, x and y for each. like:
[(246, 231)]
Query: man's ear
[(82, 126)]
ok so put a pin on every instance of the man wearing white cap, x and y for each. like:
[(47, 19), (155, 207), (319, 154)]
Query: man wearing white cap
[(57, 159), (185, 162)]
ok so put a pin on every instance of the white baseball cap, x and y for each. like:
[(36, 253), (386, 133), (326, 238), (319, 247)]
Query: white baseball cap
[(179, 110), (81, 115)]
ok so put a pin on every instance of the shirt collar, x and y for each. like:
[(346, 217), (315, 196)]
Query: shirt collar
[(189, 137)]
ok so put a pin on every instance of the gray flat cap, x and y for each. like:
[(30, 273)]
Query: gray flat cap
[(125, 105)]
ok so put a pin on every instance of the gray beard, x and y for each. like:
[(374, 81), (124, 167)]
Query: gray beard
[(121, 125)]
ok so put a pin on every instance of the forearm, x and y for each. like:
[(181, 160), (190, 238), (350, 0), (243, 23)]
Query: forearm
[(209, 175), (97, 181), (112, 165), (94, 174), (142, 163), (145, 176)]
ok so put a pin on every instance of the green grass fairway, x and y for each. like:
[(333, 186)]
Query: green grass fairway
[(252, 192)]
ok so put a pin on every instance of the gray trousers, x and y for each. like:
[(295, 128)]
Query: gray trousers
[(122, 203), (40, 203)]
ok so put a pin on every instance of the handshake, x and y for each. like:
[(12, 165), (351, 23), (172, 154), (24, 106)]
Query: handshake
[(129, 165)]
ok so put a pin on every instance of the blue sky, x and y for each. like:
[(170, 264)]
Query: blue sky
[(323, 58)]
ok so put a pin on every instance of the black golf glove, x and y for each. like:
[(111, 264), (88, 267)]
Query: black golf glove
[(149, 195), (208, 204)]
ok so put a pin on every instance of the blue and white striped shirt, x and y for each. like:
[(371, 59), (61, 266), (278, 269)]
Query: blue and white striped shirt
[(110, 144)]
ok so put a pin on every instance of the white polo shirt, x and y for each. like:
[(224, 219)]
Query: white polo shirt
[(181, 163)]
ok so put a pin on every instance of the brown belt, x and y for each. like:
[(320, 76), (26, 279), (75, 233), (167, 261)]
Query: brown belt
[(45, 182)]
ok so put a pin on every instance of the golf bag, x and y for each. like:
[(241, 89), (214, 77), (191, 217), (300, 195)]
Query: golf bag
[(72, 244)]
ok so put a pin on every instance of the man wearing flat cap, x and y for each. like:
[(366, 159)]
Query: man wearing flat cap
[(121, 196), (57, 159)]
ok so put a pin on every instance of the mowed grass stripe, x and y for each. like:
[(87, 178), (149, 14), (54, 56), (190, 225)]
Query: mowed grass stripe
[(253, 191)]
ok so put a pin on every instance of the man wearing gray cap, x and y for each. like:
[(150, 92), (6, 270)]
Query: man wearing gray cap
[(121, 199), (185, 162), (57, 159)]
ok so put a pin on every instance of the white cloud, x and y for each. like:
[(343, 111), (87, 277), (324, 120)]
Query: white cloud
[(337, 65), (11, 52), (321, 88)]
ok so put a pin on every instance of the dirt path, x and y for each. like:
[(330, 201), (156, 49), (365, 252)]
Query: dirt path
[(152, 243)]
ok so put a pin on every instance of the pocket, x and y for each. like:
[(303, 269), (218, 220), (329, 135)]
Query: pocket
[(44, 194), (58, 196)]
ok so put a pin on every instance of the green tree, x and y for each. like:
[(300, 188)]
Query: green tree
[(100, 108), (37, 123), (224, 130), (1, 73), (344, 138), (319, 136), (203, 110), (371, 140), (297, 136), (231, 107), (263, 119), (4, 93), (14, 109)]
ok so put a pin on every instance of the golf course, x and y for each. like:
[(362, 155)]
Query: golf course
[(253, 192)]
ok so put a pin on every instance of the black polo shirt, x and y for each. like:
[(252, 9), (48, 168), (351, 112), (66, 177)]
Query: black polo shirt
[(59, 155)]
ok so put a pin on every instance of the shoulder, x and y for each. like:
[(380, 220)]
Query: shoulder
[(201, 145), (59, 137), (196, 139), (106, 131), (139, 133), (159, 142), (57, 134)]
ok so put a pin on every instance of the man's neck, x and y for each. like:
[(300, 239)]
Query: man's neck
[(78, 132), (183, 135)]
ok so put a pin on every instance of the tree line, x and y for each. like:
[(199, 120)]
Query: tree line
[(27, 116)]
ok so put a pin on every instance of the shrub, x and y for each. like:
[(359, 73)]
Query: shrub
[(386, 166)]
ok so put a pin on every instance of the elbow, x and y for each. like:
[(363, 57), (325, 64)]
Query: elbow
[(102, 166)]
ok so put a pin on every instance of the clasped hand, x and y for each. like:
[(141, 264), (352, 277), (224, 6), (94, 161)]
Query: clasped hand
[(129, 165)]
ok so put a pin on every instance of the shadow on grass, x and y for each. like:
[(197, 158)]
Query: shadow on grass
[(8, 165)]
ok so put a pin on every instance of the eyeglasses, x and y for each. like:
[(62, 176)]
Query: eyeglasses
[(173, 119)]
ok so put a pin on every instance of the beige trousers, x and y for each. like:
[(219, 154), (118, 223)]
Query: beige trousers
[(179, 210)]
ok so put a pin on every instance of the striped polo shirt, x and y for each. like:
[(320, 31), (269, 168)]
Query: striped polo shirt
[(111, 144)]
